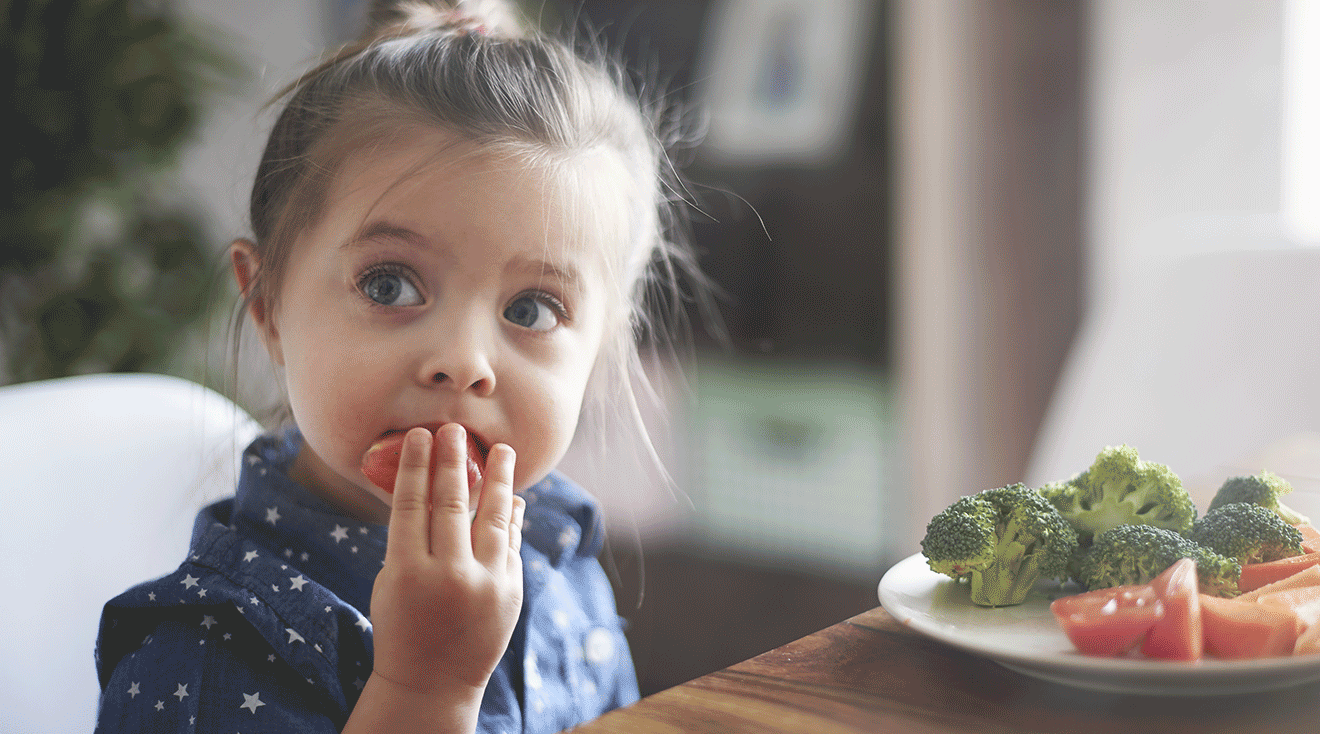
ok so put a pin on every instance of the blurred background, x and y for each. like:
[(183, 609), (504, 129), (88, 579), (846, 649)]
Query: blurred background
[(914, 207)]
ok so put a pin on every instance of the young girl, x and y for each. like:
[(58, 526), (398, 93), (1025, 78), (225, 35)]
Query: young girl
[(454, 224)]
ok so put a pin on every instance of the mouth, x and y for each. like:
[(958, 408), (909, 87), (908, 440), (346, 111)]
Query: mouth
[(380, 463)]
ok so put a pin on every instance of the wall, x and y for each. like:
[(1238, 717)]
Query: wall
[(275, 41), (1186, 148), (1185, 132), (988, 100)]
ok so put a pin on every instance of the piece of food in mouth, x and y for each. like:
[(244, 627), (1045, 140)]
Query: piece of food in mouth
[(381, 462)]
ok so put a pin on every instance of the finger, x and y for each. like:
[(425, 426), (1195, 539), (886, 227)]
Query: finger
[(515, 527), (490, 531), (450, 524), (409, 512)]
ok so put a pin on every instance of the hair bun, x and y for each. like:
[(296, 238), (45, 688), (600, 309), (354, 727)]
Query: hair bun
[(483, 17)]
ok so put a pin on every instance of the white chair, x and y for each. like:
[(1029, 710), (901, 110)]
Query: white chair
[(1204, 364), (101, 478)]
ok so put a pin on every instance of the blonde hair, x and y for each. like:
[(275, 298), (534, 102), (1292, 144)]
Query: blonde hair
[(475, 70)]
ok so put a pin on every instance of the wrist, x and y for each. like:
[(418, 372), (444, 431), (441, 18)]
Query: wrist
[(389, 706)]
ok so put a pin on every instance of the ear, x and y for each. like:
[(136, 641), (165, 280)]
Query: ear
[(247, 267)]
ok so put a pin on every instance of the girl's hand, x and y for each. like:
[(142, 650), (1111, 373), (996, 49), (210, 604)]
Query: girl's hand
[(445, 604)]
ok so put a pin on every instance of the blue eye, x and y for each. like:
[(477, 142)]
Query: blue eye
[(389, 288), (531, 313)]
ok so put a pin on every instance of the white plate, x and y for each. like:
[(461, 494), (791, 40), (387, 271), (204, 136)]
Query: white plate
[(1027, 639)]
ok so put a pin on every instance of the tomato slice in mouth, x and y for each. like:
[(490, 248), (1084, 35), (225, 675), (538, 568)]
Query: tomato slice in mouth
[(381, 462)]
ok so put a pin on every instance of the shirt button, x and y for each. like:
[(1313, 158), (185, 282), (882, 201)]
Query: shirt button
[(599, 646)]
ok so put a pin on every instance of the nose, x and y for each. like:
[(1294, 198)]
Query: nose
[(458, 357)]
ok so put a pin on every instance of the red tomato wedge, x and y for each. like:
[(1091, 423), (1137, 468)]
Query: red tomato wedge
[(1177, 636), (1109, 621), (381, 462), (1256, 575), (1244, 630)]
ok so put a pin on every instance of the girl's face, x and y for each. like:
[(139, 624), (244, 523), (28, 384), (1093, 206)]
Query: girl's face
[(454, 292)]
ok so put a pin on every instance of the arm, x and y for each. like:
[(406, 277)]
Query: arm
[(446, 602)]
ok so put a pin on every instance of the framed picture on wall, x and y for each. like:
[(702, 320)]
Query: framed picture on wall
[(780, 79)]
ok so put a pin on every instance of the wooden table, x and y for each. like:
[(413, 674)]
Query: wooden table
[(872, 674)]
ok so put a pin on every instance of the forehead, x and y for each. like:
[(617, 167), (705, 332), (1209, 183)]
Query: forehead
[(576, 205)]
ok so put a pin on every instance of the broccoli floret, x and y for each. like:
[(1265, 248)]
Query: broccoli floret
[(1264, 489), (1001, 541), (1135, 554), (1060, 493), (1248, 533), (1121, 489)]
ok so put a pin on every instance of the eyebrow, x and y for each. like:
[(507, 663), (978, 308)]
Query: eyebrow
[(384, 231), (563, 272)]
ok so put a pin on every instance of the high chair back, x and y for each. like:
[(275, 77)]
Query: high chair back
[(1198, 363), (101, 476)]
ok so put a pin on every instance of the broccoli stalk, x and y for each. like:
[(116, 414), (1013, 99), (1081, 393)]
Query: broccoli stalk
[(1248, 533), (1264, 489), (1121, 489), (1001, 541)]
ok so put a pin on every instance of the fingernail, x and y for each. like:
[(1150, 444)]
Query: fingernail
[(458, 437), (418, 437)]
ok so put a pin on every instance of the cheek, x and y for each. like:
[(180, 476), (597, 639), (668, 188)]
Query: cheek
[(547, 410), (332, 380)]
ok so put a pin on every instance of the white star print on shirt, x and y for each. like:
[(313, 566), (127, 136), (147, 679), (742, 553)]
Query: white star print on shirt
[(181, 693), (599, 646), (252, 702), (189, 581), (133, 690), (294, 636), (250, 555), (207, 621), (160, 706), (339, 533), (298, 582), (272, 514)]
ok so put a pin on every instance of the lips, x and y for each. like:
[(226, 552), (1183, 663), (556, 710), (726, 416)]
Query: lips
[(381, 462)]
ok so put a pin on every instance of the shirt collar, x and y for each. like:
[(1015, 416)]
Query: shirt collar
[(341, 553)]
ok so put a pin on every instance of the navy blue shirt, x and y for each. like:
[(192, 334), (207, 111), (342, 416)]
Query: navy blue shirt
[(266, 626)]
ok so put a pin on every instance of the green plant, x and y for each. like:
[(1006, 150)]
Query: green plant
[(102, 267)]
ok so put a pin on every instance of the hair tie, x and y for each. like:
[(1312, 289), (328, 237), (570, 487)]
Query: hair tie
[(388, 17), (463, 23)]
